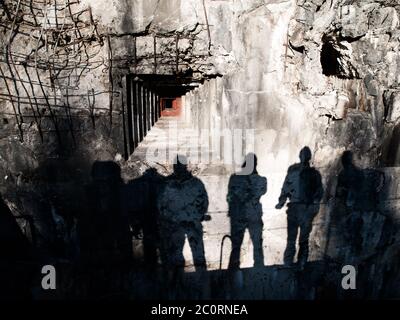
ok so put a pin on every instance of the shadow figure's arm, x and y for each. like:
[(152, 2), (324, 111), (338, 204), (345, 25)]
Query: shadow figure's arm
[(285, 191), (201, 201), (381, 182), (319, 192), (205, 202), (264, 186)]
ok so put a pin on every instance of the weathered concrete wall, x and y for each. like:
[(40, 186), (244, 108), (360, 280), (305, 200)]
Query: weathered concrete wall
[(279, 89), (62, 99)]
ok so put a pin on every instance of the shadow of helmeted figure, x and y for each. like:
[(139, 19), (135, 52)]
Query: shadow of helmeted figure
[(182, 205), (303, 188), (141, 196), (245, 210), (16, 257), (104, 230), (357, 193)]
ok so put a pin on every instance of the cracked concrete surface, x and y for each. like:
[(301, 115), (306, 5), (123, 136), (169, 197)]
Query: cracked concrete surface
[(267, 56)]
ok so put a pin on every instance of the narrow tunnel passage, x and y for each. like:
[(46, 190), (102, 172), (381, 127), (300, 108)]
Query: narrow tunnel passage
[(149, 97)]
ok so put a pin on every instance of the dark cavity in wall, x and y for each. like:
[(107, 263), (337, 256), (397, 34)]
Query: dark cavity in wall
[(336, 58), (330, 59)]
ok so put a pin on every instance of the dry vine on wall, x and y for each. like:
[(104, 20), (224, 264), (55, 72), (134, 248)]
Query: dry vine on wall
[(47, 48)]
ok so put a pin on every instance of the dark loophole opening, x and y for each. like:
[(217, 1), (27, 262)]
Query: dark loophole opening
[(167, 103)]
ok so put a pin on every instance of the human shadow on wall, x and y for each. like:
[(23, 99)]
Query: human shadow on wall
[(245, 210), (356, 200), (57, 200), (103, 229), (182, 205), (303, 188), (16, 257), (141, 196), (362, 231)]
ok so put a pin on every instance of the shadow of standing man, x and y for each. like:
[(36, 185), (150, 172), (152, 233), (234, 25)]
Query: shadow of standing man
[(358, 194), (245, 210), (182, 205), (303, 188), (140, 201)]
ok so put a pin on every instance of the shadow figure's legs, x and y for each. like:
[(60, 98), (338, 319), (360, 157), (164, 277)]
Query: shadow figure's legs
[(150, 245), (200, 289), (292, 230), (306, 221), (255, 230), (195, 237), (354, 229), (175, 277), (172, 242), (150, 250), (175, 282), (177, 241), (305, 230), (237, 233)]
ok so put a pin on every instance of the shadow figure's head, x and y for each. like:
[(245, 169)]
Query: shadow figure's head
[(180, 167), (305, 155), (150, 172), (106, 171), (250, 163), (347, 159)]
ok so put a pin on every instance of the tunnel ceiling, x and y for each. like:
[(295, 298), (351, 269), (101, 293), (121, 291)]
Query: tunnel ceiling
[(169, 85)]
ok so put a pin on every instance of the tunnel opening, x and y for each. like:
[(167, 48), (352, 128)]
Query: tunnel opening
[(149, 97)]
